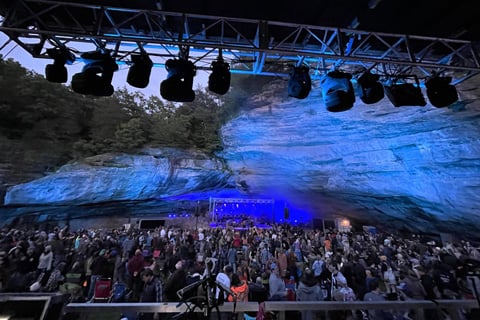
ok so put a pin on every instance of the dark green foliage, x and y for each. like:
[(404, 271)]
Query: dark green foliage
[(39, 112)]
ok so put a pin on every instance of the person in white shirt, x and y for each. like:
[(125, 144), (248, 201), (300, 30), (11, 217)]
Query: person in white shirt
[(224, 278)]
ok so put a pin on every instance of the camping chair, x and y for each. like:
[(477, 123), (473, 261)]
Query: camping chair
[(103, 290), (120, 292)]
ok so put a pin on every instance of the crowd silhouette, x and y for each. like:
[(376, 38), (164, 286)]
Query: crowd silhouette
[(276, 262)]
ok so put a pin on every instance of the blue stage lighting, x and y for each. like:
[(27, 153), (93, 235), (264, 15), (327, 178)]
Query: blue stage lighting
[(178, 85), (300, 83), (337, 91), (440, 92)]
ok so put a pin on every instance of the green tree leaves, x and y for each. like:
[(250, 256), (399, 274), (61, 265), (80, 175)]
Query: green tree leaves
[(34, 109)]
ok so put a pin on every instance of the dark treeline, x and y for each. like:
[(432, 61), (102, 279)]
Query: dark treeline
[(40, 114)]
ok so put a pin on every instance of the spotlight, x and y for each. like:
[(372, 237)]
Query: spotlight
[(405, 94), (300, 83), (178, 85), (57, 72), (337, 91), (96, 76), (372, 89), (219, 79), (139, 73), (440, 92)]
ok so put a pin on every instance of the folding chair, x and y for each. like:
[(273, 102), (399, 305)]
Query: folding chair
[(120, 292), (103, 290)]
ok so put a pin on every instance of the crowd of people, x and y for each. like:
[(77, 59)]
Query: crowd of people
[(278, 262)]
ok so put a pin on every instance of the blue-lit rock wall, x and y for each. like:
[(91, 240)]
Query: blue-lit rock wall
[(411, 166), (153, 174), (407, 167)]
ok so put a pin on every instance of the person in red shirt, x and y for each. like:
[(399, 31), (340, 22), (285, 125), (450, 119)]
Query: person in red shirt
[(135, 266)]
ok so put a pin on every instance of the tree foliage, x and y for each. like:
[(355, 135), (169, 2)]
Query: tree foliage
[(35, 110)]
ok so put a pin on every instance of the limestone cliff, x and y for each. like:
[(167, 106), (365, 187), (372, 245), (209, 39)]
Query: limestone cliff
[(415, 168)]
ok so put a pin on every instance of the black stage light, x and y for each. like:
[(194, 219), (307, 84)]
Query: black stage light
[(178, 85), (57, 72), (299, 83), (219, 79), (405, 94), (140, 70), (440, 92), (96, 76), (372, 89), (337, 91)]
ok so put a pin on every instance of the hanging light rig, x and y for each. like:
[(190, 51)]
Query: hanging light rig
[(57, 72), (219, 79), (178, 86), (299, 83), (97, 74), (440, 92), (140, 70)]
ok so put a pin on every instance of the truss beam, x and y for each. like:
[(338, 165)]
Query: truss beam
[(250, 46)]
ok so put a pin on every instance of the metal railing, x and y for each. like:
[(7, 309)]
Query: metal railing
[(455, 309)]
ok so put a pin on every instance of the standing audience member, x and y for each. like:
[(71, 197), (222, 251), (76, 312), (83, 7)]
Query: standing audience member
[(308, 290), (276, 286), (56, 278), (152, 292), (239, 288), (175, 281), (44, 267), (259, 293), (99, 270), (224, 279), (135, 266), (282, 262), (376, 295), (317, 267)]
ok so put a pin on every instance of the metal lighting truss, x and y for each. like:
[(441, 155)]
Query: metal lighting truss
[(250, 46)]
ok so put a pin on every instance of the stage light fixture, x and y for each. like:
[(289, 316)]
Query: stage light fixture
[(139, 73), (219, 79), (440, 92), (372, 89), (299, 83), (97, 74), (178, 85), (405, 94), (337, 91), (57, 72)]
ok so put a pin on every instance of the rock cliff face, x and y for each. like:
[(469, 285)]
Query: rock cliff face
[(416, 168), (108, 177)]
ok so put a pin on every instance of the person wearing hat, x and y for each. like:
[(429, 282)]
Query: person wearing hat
[(152, 292)]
